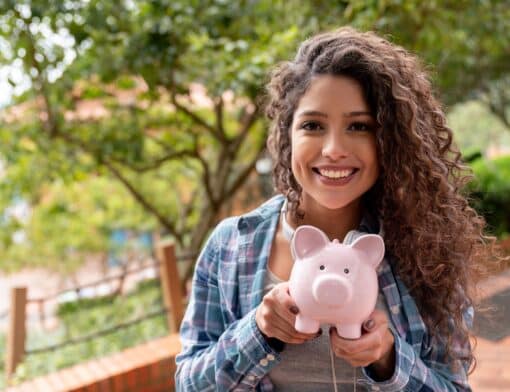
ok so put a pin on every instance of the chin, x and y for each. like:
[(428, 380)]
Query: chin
[(333, 204)]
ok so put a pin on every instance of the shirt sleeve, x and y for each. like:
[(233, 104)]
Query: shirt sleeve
[(217, 353), (429, 370)]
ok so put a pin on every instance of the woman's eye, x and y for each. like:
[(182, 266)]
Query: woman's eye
[(359, 126), (311, 126)]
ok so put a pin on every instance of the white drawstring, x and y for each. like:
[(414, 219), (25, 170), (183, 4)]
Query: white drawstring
[(333, 371)]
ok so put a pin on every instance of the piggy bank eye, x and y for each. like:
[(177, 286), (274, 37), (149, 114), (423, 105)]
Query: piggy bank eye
[(346, 270), (322, 268)]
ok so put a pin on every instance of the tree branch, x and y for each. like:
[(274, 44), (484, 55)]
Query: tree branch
[(206, 177), (134, 192), (249, 118), (187, 208), (196, 118), (160, 143), (218, 111), (243, 175), (144, 202), (496, 101), (159, 161), (50, 125)]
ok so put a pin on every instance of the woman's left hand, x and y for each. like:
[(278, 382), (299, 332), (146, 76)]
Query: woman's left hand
[(375, 347)]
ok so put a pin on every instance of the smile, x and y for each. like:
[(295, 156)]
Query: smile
[(335, 174)]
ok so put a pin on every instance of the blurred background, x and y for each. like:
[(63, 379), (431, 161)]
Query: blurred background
[(126, 122)]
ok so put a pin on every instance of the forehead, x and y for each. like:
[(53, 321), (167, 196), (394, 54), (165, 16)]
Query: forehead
[(330, 93)]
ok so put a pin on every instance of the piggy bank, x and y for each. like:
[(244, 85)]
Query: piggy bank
[(333, 283)]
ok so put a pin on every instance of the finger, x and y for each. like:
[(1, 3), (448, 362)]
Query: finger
[(273, 301), (270, 319), (306, 337), (288, 306), (287, 337), (291, 337), (363, 358), (273, 324), (376, 318), (368, 325), (287, 326), (350, 347)]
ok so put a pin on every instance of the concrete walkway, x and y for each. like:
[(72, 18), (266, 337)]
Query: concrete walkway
[(492, 373)]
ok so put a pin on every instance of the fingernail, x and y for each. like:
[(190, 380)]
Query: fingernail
[(294, 309), (369, 324)]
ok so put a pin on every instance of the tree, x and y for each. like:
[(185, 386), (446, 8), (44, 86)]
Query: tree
[(463, 42), (182, 155), (179, 159)]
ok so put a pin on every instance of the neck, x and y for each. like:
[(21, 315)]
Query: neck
[(335, 223)]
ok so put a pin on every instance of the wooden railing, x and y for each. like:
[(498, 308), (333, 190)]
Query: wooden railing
[(172, 298)]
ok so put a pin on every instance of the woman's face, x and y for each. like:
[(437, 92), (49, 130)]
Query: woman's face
[(334, 153)]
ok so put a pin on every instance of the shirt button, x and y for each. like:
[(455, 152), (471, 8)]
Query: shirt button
[(375, 388), (263, 362), (395, 309), (251, 378), (270, 357)]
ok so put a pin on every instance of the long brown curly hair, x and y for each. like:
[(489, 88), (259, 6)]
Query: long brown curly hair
[(430, 229)]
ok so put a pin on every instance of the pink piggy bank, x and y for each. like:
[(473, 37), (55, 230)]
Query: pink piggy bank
[(334, 283)]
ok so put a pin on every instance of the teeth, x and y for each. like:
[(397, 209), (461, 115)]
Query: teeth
[(335, 173)]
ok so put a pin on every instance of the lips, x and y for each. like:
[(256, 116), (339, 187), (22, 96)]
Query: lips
[(335, 173)]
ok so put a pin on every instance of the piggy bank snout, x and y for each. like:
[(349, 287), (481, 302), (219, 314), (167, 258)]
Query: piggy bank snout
[(331, 290)]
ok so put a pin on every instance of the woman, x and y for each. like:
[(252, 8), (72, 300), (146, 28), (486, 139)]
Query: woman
[(359, 145)]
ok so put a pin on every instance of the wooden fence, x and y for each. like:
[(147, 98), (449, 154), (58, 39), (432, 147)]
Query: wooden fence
[(172, 298)]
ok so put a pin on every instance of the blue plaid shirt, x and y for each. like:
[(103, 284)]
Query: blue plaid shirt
[(223, 350)]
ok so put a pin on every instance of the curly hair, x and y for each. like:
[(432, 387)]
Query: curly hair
[(434, 239)]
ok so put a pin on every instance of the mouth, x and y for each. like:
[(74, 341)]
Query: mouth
[(335, 174)]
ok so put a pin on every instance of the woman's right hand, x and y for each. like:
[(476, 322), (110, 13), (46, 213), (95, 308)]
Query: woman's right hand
[(276, 314)]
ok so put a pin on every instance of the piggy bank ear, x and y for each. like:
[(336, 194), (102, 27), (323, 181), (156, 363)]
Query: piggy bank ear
[(306, 241), (372, 246)]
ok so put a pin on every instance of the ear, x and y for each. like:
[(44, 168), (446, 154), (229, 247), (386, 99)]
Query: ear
[(372, 245), (306, 241)]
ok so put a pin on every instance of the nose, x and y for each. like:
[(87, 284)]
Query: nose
[(335, 146), (332, 290)]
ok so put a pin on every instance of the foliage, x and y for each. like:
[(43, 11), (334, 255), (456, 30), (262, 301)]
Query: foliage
[(88, 315), (3, 348), (464, 41), (72, 221), (476, 128), (491, 192), (178, 154)]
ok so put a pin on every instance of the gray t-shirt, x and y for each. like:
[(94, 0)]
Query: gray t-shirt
[(307, 366)]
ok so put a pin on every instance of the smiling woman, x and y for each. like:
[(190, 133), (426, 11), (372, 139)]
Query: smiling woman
[(359, 145), (334, 151)]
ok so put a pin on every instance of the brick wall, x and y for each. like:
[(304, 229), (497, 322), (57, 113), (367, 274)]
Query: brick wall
[(146, 368)]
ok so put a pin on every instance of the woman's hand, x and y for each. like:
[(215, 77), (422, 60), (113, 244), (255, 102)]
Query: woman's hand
[(375, 347), (276, 314)]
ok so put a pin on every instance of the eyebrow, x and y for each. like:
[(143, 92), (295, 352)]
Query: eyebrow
[(321, 114)]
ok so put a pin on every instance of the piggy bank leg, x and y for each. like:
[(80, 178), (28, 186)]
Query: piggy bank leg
[(348, 331), (306, 325)]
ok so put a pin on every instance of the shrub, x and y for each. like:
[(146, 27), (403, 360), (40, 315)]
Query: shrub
[(490, 192)]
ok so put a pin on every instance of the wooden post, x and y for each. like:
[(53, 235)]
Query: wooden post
[(17, 333), (170, 284)]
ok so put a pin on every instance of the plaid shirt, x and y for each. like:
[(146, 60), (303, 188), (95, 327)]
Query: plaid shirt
[(223, 350)]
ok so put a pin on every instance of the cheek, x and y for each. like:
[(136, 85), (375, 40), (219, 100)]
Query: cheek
[(298, 154), (371, 158)]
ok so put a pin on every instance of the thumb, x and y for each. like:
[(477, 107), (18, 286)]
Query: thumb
[(369, 324)]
